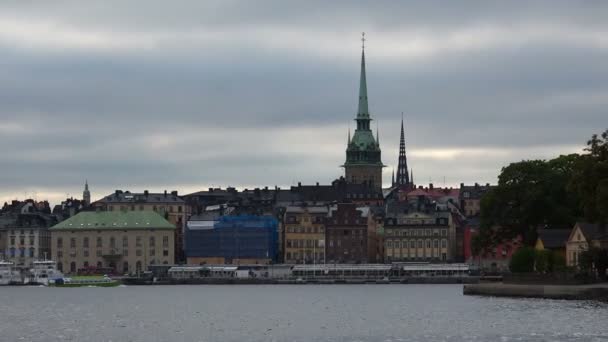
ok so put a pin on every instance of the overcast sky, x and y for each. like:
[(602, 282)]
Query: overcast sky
[(157, 95)]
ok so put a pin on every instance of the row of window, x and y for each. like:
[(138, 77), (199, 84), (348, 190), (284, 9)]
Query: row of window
[(413, 243), (338, 243), (418, 222), (416, 232), (306, 219), (22, 232), (112, 242), (22, 240), (112, 265), (313, 230), (22, 252), (303, 243), (99, 253), (142, 208), (307, 257)]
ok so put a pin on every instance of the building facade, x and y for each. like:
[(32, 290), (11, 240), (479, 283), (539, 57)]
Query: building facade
[(244, 239), (583, 236), (123, 241), (350, 234), (363, 155), (419, 236), (304, 231), (470, 198), (24, 232), (169, 205)]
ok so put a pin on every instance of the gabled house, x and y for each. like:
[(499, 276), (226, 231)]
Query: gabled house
[(582, 236)]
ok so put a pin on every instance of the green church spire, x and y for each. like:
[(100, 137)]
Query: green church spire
[(363, 111)]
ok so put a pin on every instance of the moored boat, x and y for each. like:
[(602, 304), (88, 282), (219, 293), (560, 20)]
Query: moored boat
[(8, 275)]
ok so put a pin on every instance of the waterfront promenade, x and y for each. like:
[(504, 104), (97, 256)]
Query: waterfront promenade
[(575, 292)]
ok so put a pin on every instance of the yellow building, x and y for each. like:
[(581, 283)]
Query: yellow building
[(304, 234), (167, 204), (124, 241), (554, 240), (583, 236)]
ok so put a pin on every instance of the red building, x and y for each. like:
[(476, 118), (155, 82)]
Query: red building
[(495, 259)]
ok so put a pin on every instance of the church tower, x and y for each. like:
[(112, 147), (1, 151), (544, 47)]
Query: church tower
[(363, 156), (86, 195), (403, 177)]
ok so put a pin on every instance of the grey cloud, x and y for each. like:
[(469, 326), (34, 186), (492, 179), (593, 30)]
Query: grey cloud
[(88, 111)]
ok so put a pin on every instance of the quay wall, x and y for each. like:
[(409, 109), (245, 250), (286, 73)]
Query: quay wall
[(574, 292)]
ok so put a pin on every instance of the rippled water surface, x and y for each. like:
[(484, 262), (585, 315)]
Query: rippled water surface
[(290, 313)]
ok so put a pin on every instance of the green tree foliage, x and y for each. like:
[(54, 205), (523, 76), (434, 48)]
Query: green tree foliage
[(595, 259), (529, 194), (555, 193), (590, 179), (522, 260)]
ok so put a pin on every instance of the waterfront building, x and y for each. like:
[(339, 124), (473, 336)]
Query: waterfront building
[(304, 233), (553, 240), (363, 163), (351, 234), (470, 198), (245, 239), (583, 236), (24, 232), (120, 240), (420, 236), (169, 205)]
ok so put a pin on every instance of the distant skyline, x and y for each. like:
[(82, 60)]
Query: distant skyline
[(152, 95)]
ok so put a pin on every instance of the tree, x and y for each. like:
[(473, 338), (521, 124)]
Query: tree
[(522, 260), (529, 194), (590, 179)]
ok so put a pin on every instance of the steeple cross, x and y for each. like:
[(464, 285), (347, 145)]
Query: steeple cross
[(363, 40)]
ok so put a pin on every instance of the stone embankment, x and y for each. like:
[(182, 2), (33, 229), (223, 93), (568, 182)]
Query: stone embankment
[(576, 292)]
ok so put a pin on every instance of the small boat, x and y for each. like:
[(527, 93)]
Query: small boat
[(8, 275), (43, 272)]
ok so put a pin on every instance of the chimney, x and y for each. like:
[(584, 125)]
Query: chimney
[(431, 186), (174, 193), (461, 185), (165, 193), (487, 185), (317, 183), (210, 189), (146, 193), (299, 184)]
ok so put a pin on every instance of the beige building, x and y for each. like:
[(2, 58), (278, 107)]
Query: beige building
[(304, 230), (167, 204), (583, 236), (419, 236), (125, 241)]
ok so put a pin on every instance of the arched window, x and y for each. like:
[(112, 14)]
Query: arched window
[(138, 266), (85, 242), (99, 242), (112, 242), (60, 266), (125, 267), (113, 266), (59, 242), (73, 267), (99, 264), (86, 264), (32, 251)]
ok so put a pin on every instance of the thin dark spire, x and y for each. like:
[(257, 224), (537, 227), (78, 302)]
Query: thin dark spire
[(402, 174)]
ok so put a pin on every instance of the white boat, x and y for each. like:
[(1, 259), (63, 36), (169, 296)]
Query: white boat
[(8, 275), (44, 272)]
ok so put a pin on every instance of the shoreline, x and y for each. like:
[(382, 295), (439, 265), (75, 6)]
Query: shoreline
[(568, 292)]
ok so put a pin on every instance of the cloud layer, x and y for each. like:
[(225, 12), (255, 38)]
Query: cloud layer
[(153, 95)]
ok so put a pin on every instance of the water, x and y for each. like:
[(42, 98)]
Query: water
[(290, 313)]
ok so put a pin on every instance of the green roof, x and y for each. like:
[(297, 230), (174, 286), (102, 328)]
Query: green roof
[(96, 220)]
